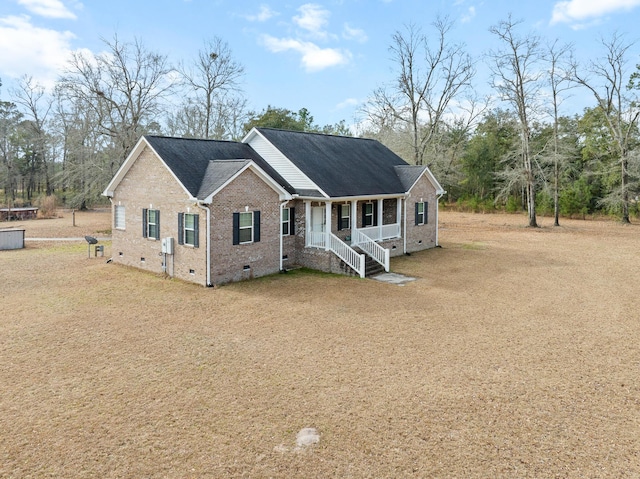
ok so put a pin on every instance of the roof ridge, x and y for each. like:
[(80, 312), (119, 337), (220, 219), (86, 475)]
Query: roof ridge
[(165, 137), (314, 133)]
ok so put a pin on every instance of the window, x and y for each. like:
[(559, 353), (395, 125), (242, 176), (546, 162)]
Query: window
[(368, 215), (422, 213), (246, 227), (151, 223), (344, 217), (188, 229), (118, 216), (288, 219)]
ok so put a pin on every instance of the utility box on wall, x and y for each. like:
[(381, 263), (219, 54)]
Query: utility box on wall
[(167, 245)]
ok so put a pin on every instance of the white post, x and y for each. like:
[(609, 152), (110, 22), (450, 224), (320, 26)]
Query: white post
[(380, 216), (354, 220), (307, 223), (399, 212), (327, 225)]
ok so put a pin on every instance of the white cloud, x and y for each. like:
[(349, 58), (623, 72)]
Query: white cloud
[(313, 18), (471, 13), (354, 34), (580, 10), (48, 8), (313, 58), (264, 14), (348, 103), (29, 50)]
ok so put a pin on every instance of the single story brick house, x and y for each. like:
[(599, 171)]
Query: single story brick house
[(212, 212)]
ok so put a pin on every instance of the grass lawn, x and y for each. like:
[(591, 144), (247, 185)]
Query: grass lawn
[(515, 353)]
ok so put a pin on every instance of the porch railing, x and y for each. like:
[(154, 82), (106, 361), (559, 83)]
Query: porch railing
[(342, 250), (347, 254), (382, 232), (316, 239), (373, 249)]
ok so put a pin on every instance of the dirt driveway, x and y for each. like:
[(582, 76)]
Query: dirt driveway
[(515, 353)]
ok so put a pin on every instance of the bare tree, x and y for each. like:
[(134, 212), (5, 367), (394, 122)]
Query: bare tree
[(431, 75), (616, 92), (558, 81), (10, 118), (124, 87), (32, 97), (214, 78), (516, 77)]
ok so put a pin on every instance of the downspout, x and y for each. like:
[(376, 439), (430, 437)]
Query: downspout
[(404, 233), (282, 203), (202, 206), (437, 216)]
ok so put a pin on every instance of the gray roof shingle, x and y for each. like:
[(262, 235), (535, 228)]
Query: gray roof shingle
[(340, 165), (189, 159)]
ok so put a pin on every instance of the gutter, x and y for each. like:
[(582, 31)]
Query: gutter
[(202, 206)]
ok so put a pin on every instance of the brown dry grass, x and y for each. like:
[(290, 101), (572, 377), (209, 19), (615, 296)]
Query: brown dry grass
[(515, 354)]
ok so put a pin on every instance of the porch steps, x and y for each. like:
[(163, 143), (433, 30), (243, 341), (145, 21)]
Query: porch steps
[(371, 266)]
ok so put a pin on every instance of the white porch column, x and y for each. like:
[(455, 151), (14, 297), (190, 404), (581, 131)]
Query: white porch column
[(399, 210), (327, 227), (354, 220), (307, 223), (380, 217)]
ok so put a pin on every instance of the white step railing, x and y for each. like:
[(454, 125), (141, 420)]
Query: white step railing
[(382, 232), (347, 254), (373, 249)]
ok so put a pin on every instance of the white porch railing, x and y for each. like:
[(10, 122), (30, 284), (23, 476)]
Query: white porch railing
[(347, 254), (317, 239), (382, 232), (373, 249)]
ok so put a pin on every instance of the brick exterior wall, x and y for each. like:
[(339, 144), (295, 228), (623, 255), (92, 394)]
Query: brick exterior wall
[(229, 262), (423, 236), (149, 184)]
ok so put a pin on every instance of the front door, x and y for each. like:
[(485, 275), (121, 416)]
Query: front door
[(318, 222)]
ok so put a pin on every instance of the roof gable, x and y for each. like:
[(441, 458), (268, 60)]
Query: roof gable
[(189, 161), (339, 165)]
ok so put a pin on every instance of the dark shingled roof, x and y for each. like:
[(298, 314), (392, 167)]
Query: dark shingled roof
[(341, 165), (409, 174), (189, 160), (218, 173)]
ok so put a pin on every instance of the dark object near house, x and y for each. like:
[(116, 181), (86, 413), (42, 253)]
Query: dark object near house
[(90, 240)]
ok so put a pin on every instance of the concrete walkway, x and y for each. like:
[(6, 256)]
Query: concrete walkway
[(393, 278)]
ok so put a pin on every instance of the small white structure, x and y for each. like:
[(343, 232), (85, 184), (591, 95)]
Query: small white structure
[(11, 238)]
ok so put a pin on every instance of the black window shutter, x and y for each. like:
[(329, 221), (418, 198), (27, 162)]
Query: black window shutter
[(144, 222), (236, 228), (364, 215), (417, 215), (180, 228), (256, 226), (157, 224), (426, 212), (292, 221), (196, 232), (374, 221), (339, 216)]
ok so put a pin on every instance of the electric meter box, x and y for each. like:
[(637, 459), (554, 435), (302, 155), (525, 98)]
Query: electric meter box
[(167, 245)]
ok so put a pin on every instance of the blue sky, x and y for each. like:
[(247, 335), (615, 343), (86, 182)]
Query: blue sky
[(326, 56)]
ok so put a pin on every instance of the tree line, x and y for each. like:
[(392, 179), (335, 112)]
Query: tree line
[(514, 148)]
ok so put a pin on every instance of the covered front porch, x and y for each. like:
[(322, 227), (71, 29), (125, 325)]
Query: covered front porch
[(346, 226)]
